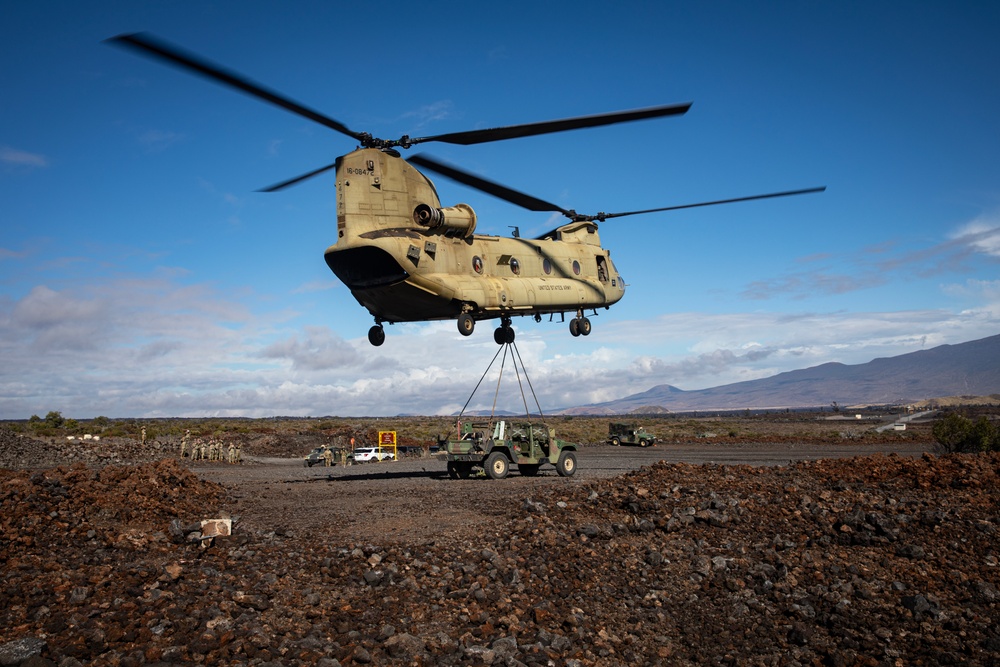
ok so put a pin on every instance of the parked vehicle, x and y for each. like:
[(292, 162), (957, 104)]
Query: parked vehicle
[(629, 434), (367, 454), (317, 457)]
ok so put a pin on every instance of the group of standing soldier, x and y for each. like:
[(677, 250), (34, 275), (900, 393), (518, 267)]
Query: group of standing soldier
[(213, 450)]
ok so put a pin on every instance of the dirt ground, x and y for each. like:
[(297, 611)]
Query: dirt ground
[(414, 500), (790, 551)]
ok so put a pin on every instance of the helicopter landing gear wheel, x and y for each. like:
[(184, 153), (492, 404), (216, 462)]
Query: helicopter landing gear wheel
[(376, 335), (466, 325), (503, 334), (579, 325)]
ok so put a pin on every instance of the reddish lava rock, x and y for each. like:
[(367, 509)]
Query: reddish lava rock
[(879, 560)]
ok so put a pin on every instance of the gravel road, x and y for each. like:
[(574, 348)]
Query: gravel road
[(414, 500)]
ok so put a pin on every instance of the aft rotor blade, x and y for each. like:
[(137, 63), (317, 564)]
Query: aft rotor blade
[(789, 193), (489, 187), (151, 46), (546, 127), (298, 179)]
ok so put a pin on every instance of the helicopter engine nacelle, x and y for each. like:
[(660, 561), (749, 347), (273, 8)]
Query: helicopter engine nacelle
[(457, 220)]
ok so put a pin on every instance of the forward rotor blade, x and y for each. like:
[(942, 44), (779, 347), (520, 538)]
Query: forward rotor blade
[(546, 127), (502, 191), (151, 46), (298, 179), (606, 216)]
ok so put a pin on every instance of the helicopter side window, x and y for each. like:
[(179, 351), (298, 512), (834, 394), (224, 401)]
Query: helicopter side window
[(515, 266), (477, 264), (576, 267), (546, 266)]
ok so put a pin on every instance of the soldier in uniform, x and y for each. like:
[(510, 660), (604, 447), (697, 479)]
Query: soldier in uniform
[(327, 457), (144, 435), (232, 453), (239, 455), (184, 442)]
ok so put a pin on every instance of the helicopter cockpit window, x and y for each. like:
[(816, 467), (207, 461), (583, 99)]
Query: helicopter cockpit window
[(477, 264), (546, 266), (515, 266), (576, 267)]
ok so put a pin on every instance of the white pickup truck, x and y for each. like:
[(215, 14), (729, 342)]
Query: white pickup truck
[(366, 454)]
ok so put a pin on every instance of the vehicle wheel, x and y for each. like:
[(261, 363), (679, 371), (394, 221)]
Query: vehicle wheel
[(616, 442), (376, 335), (464, 469), (643, 443), (584, 326), (496, 465), (528, 469), (452, 470), (498, 336), (574, 327), (466, 325), (567, 464)]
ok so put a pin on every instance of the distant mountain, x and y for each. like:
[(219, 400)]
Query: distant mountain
[(971, 368)]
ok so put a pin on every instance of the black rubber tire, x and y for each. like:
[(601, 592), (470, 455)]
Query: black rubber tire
[(616, 442), (566, 465), (497, 466), (376, 335), (466, 325), (574, 327), (584, 326)]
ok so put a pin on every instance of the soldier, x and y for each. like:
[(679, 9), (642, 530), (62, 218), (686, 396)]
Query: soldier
[(184, 442), (202, 450), (239, 455), (327, 457), (143, 435), (232, 453)]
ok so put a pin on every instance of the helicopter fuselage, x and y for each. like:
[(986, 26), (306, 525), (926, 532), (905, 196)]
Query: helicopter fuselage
[(405, 258)]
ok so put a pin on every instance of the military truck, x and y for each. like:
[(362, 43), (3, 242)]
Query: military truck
[(629, 434), (493, 447)]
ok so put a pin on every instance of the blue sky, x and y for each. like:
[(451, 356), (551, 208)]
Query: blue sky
[(141, 274)]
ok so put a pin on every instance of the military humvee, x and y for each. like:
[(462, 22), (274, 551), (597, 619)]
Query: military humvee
[(492, 447), (629, 434)]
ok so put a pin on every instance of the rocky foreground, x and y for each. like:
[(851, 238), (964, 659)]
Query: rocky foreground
[(880, 560)]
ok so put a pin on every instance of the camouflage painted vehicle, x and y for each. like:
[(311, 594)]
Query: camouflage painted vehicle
[(629, 434), (317, 456), (493, 447)]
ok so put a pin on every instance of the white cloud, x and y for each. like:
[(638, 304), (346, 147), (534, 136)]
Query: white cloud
[(21, 158), (155, 141), (152, 345), (982, 235)]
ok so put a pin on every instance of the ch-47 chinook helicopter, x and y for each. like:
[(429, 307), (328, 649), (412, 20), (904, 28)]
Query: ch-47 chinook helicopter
[(408, 259)]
